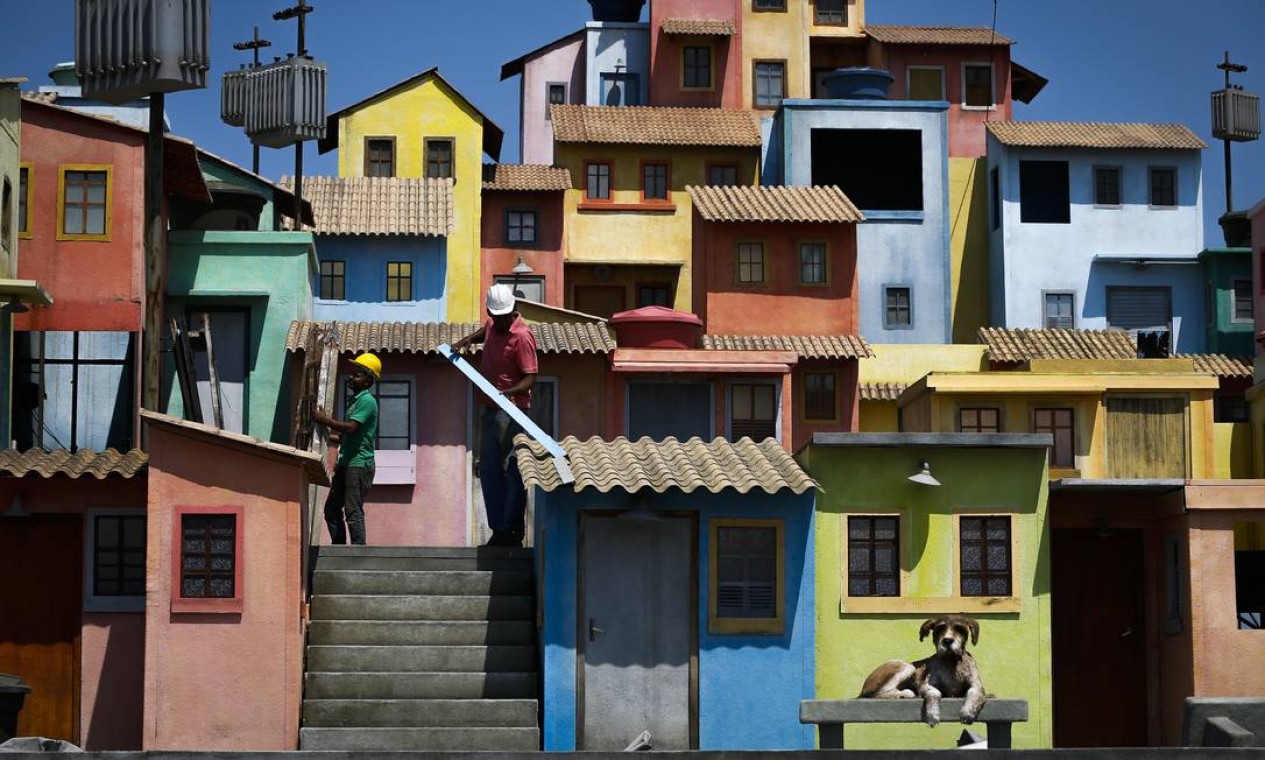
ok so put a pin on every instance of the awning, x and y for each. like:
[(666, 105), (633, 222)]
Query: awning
[(26, 291)]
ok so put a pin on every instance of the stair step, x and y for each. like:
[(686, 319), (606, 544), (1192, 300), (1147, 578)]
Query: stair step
[(361, 659), (424, 551), (433, 582), (421, 739), (420, 632), (419, 713), (421, 685), (422, 558), (358, 607)]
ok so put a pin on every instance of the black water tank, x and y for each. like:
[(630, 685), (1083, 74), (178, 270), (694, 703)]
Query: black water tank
[(628, 11)]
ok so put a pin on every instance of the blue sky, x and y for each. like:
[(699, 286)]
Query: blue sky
[(1107, 60)]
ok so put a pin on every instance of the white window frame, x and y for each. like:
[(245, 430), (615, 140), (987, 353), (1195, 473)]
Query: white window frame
[(887, 324), (992, 86), (92, 602), (1045, 295), (394, 466), (944, 79), (777, 404)]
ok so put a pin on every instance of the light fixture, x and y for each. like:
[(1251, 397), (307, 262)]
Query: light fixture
[(16, 508), (923, 476), (522, 267)]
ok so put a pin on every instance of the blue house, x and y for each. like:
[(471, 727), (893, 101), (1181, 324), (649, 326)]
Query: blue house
[(675, 594), (891, 159), (383, 247), (1098, 226)]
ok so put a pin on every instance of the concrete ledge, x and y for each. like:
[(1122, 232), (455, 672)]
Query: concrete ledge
[(904, 710)]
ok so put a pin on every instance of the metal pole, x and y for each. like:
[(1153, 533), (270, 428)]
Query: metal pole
[(254, 149), (301, 50), (155, 269)]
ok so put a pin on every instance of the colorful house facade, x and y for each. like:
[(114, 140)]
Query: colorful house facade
[(523, 231), (675, 592), (423, 127)]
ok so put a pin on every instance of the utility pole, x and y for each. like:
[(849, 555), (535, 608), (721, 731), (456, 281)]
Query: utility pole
[(1237, 68), (253, 44), (300, 12)]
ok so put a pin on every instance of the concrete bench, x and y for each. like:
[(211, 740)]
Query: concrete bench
[(831, 715)]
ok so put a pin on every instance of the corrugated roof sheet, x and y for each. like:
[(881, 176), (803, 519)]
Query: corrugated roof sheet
[(426, 337), (1221, 365), (806, 346), (100, 465), (659, 466), (882, 391), (1024, 345), (936, 35), (525, 177), (378, 205), (700, 27), (1068, 134), (760, 203), (645, 125)]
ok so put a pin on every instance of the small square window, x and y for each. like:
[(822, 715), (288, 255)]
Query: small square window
[(598, 181), (654, 182), (812, 263), (1044, 192), (1107, 186), (84, 204), (556, 95), (925, 83), (770, 83), (768, 5), (1058, 423), (439, 155), (696, 67), (399, 281), (897, 308), (654, 294), (207, 552), (1244, 308), (116, 580), (1060, 311), (834, 12), (977, 85), (722, 175), (985, 419), (751, 263), (1163, 187), (520, 228), (753, 409), (820, 402), (334, 280), (746, 577), (873, 556), (379, 157), (985, 556)]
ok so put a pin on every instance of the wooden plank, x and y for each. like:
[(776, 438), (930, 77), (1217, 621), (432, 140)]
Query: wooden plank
[(1146, 437), (217, 406), (182, 350)]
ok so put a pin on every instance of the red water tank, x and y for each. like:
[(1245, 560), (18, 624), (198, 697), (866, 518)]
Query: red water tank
[(656, 327)]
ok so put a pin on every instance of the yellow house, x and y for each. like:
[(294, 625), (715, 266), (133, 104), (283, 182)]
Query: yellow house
[(628, 219), (424, 127), (788, 46)]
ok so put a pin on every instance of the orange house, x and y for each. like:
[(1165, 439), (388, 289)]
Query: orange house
[(696, 53)]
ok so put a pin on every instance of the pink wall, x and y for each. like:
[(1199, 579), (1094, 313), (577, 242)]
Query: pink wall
[(545, 258), (563, 63), (666, 51), (94, 285), (1257, 216), (225, 681), (967, 138), (782, 306)]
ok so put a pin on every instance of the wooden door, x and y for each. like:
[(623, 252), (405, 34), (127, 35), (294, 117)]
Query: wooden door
[(1099, 638), (41, 603), (636, 633), (1146, 437)]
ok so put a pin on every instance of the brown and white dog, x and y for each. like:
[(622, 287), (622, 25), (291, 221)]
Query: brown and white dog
[(950, 672)]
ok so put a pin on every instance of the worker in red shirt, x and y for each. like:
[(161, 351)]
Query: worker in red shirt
[(508, 361)]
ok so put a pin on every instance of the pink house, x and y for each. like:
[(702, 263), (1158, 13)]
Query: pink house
[(551, 74)]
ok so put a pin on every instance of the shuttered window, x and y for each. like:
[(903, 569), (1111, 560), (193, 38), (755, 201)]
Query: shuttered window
[(873, 556), (819, 396), (753, 411), (1140, 309), (985, 556), (985, 419), (1060, 311), (1146, 437), (748, 571)]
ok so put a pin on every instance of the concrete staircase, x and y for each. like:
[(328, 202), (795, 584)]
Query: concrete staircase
[(420, 649)]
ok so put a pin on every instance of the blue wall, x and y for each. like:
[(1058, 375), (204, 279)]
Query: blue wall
[(750, 687), (366, 279), (610, 44)]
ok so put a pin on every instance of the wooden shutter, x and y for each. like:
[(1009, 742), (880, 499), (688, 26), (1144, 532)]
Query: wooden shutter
[(1146, 437)]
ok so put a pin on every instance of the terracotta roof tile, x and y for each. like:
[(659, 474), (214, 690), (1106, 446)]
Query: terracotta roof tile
[(1066, 134), (525, 177), (100, 465), (378, 205), (425, 337), (806, 346), (12, 80), (742, 466), (48, 98), (936, 35), (759, 203), (700, 27), (882, 391), (1024, 345), (644, 125), (1221, 365)]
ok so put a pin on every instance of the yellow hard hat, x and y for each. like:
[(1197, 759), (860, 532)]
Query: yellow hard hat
[(371, 363)]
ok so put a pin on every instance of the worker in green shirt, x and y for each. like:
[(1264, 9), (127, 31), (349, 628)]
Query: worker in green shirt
[(353, 472)]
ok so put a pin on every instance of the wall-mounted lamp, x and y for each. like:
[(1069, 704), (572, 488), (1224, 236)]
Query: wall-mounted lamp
[(923, 476), (16, 508), (522, 267)]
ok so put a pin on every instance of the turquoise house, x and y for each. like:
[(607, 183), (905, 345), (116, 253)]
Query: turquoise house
[(1229, 321), (233, 262), (675, 594)]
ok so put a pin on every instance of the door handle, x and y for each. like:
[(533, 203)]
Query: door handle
[(594, 630), (1127, 632)]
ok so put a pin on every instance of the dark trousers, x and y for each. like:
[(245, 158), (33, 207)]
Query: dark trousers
[(503, 495), (346, 501)]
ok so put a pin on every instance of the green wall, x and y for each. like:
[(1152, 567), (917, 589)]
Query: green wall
[(1014, 648), (1222, 266)]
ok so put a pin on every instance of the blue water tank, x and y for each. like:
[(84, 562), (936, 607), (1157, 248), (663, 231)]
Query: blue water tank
[(858, 83)]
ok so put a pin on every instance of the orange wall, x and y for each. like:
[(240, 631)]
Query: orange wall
[(666, 52), (781, 306), (94, 285), (545, 258), (846, 399), (225, 681)]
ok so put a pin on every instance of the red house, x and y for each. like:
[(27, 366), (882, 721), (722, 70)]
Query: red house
[(522, 230), (696, 53)]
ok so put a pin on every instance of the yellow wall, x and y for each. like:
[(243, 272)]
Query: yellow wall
[(428, 109), (779, 35), (906, 364), (1232, 442), (968, 229), (633, 237)]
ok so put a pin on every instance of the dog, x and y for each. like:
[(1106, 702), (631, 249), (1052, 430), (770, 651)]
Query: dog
[(950, 672)]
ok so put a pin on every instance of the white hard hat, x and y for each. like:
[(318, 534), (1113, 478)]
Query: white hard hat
[(500, 300)]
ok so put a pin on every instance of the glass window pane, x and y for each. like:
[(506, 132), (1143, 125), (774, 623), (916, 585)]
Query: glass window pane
[(74, 224), (96, 220), (972, 557)]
